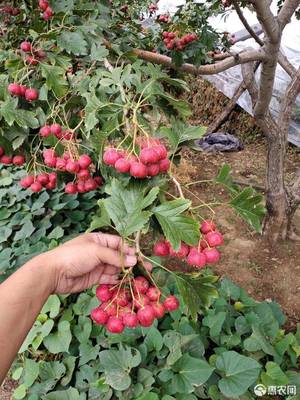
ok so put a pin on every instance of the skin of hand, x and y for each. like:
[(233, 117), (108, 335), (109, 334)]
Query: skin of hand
[(79, 264)]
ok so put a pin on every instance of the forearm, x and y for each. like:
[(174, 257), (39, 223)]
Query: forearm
[(21, 299)]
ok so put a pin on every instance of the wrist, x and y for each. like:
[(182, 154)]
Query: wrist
[(44, 271)]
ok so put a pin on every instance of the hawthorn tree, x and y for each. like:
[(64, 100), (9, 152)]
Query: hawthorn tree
[(282, 197)]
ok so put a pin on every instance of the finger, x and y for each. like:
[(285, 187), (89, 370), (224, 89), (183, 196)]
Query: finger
[(113, 242), (109, 279), (112, 257), (111, 270)]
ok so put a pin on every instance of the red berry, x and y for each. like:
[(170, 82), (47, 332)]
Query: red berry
[(153, 170), (51, 162), (81, 187), (182, 252), (172, 35), (115, 325), (140, 284), (165, 34), (103, 293), (45, 131), (171, 303), (214, 239), (72, 167), (18, 160), (25, 46), (52, 177), (161, 249), (5, 160), (31, 94), (1, 151), (84, 161), (22, 90), (110, 308), (153, 293), (158, 309), (196, 258), (149, 156), (111, 156), (26, 181), (50, 185), (164, 165), (83, 174), (122, 165), (161, 151), (90, 185), (56, 129), (138, 170), (130, 319), (36, 187), (98, 180), (43, 179), (141, 301), (48, 13), (207, 226), (40, 54), (43, 4), (14, 89), (146, 316), (71, 188), (61, 164), (31, 60), (49, 153), (212, 255), (99, 316)]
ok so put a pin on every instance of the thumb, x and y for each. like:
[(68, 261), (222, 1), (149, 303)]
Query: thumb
[(114, 257)]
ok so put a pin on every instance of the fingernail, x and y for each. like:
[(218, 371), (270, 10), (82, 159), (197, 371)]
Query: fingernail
[(130, 261)]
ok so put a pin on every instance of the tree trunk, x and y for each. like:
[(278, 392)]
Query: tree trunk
[(277, 219)]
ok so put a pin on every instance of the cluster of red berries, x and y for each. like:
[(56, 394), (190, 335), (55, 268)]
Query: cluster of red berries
[(164, 18), (81, 168), (204, 253), (39, 182), (138, 303), (56, 130), (173, 42), (47, 10), (152, 160), (8, 9), (30, 94), (35, 55), (7, 160), (153, 8)]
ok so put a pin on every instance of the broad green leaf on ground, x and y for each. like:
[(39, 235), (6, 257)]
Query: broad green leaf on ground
[(214, 320), (153, 340), (126, 205), (85, 304), (196, 290), (117, 365), (31, 371), (36, 335), (25, 232), (59, 341), (69, 394), (239, 373), (179, 133), (177, 227), (55, 79), (52, 306), (274, 376), (73, 42), (190, 372)]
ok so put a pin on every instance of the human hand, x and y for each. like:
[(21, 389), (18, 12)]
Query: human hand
[(87, 260)]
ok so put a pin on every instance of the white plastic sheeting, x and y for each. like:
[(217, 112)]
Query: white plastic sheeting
[(228, 81)]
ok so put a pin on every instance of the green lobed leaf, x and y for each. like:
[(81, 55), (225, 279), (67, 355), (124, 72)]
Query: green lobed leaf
[(55, 79), (59, 341), (72, 42), (240, 373)]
